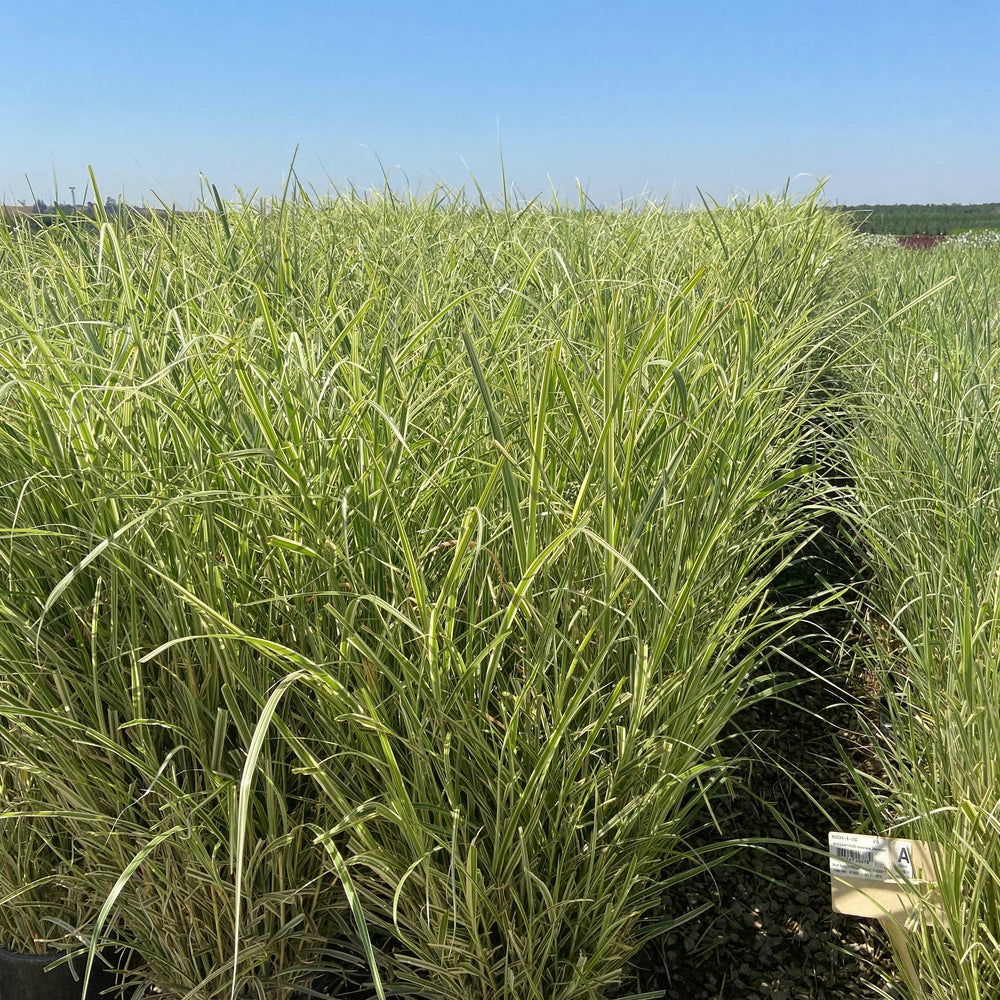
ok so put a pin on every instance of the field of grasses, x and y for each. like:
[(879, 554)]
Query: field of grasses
[(380, 574)]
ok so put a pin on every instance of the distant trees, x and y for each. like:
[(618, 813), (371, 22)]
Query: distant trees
[(913, 220)]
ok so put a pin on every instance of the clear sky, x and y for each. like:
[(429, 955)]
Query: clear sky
[(894, 101)]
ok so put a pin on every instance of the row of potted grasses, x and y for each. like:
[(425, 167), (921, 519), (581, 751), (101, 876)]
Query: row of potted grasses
[(922, 448), (379, 575)]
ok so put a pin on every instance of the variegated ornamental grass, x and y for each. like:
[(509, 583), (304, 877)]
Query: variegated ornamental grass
[(380, 573), (923, 448)]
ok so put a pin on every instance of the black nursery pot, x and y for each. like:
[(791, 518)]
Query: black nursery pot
[(23, 977)]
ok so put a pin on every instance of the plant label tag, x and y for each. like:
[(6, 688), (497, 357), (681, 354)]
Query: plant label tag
[(877, 859), (884, 878)]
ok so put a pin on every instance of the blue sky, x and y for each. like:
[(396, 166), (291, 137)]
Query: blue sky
[(894, 101)]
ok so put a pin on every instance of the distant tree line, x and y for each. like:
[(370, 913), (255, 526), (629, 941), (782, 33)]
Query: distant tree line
[(38, 214), (911, 220)]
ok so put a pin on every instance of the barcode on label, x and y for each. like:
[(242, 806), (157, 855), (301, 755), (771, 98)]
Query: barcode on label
[(858, 857)]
